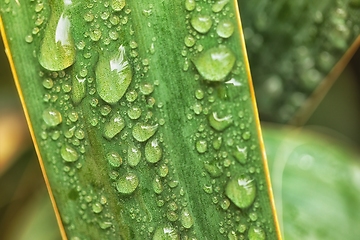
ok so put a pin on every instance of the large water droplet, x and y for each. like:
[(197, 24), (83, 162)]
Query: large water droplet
[(57, 49), (219, 123), (143, 132), (166, 233), (241, 191), (134, 156), (113, 75), (52, 117), (113, 126), (153, 151), (256, 233), (78, 89), (68, 153), (127, 183), (201, 23), (190, 5), (114, 159), (219, 5), (186, 219), (215, 64), (225, 28)]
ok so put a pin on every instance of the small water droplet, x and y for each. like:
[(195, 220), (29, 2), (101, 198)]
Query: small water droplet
[(127, 183), (190, 5), (78, 89), (163, 170), (172, 216), (57, 49), (52, 117), (201, 146), (142, 132), (29, 38), (97, 207), (166, 233), (232, 235), (240, 154), (68, 153), (256, 233), (186, 219), (219, 5), (213, 169), (117, 5), (189, 41), (199, 94), (225, 204), (241, 191), (134, 156), (217, 143), (246, 135), (153, 151), (113, 75), (114, 159), (201, 23), (241, 228), (134, 112), (157, 185), (114, 126), (219, 124), (215, 64), (146, 88), (225, 28)]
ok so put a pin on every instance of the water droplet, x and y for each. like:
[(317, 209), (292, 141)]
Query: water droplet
[(131, 96), (241, 191), (79, 134), (219, 5), (157, 185), (215, 64), (240, 154), (166, 233), (29, 38), (143, 132), (217, 143), (201, 146), (105, 225), (113, 76), (241, 228), (146, 88), (117, 5), (105, 110), (219, 123), (190, 5), (225, 204), (189, 41), (78, 89), (163, 170), (48, 83), (232, 235), (225, 28), (186, 219), (153, 151), (201, 23), (246, 135), (134, 112), (113, 126), (199, 94), (57, 49), (134, 156), (127, 183), (114, 159), (52, 117), (97, 207), (256, 233), (68, 153), (213, 169)]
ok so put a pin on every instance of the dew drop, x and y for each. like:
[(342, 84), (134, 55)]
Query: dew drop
[(113, 76), (157, 185), (163, 170), (241, 191), (256, 233), (153, 151), (78, 89), (166, 233), (201, 23), (146, 88), (127, 183), (217, 143), (57, 49), (246, 135), (97, 207), (215, 64), (134, 112), (134, 156), (199, 94), (225, 28), (240, 154), (189, 41), (213, 169), (186, 219), (52, 117), (142, 132), (219, 124), (117, 5), (190, 5), (113, 126), (68, 153), (114, 159), (232, 235), (219, 5), (201, 146)]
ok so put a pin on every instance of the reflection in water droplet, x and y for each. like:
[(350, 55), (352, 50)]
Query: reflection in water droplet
[(153, 151), (143, 132), (113, 75), (127, 183), (113, 126), (201, 23), (215, 64), (219, 123), (225, 28), (52, 117), (241, 191), (57, 49), (68, 153)]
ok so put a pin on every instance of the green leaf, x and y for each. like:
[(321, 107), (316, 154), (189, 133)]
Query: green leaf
[(138, 137)]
